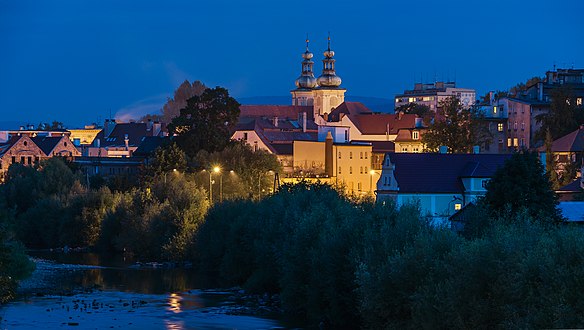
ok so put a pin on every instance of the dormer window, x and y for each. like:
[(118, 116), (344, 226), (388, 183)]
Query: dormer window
[(415, 135)]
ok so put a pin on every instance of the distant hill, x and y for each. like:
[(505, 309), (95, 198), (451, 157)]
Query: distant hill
[(376, 104)]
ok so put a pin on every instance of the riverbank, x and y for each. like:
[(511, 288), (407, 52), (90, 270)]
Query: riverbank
[(66, 295)]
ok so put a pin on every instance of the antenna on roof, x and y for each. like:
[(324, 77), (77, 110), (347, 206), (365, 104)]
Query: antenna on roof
[(329, 40), (554, 65), (307, 42)]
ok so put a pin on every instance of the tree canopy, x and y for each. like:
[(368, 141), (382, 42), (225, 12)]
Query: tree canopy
[(522, 185), (564, 115), (185, 91), (456, 127), (206, 121)]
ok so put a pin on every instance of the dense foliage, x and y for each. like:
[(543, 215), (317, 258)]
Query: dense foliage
[(521, 184), (206, 121), (564, 117), (457, 128)]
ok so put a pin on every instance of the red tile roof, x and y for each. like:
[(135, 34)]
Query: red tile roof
[(376, 124), (572, 142)]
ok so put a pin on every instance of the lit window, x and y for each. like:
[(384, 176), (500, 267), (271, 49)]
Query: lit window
[(508, 142), (515, 142), (412, 99), (415, 135), (500, 127), (579, 101), (457, 206), (495, 109)]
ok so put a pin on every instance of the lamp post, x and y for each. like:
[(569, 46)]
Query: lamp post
[(210, 187), (371, 173), (217, 169)]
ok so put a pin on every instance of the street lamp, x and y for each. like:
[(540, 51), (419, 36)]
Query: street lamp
[(371, 173), (217, 169)]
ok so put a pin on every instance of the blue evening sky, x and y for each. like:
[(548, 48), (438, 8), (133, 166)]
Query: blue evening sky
[(75, 61)]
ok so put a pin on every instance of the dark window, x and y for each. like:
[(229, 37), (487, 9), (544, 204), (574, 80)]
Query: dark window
[(22, 159), (13, 159), (29, 160)]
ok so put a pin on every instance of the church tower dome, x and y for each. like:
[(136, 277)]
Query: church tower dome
[(306, 79), (329, 78)]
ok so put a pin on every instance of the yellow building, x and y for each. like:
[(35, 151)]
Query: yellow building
[(410, 140), (342, 164), (84, 136)]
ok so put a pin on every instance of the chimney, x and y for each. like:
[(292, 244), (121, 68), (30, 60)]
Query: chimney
[(400, 115), (491, 98), (127, 141), (275, 121), (476, 150), (328, 154), (540, 91), (419, 122), (97, 143), (443, 149), (304, 122), (149, 124)]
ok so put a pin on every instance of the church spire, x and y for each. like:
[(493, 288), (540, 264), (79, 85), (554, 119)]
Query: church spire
[(306, 79), (329, 78)]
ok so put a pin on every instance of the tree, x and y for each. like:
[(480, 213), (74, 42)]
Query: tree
[(253, 171), (206, 122), (185, 91), (563, 117), (522, 87), (522, 185), (550, 162), (55, 125), (414, 108), (456, 127), (167, 158)]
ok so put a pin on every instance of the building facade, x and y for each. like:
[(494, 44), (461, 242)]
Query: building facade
[(431, 95)]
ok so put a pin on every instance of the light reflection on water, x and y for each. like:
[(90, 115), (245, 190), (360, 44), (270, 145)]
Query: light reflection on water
[(110, 294)]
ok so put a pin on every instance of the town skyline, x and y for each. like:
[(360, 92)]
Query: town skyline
[(77, 63)]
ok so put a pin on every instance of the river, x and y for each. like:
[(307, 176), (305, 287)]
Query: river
[(91, 291)]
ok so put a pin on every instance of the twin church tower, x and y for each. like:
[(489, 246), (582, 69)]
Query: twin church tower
[(324, 93)]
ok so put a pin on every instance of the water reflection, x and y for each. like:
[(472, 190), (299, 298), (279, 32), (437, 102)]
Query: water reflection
[(112, 273), (174, 302)]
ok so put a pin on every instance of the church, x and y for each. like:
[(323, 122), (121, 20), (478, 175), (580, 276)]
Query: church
[(320, 135)]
